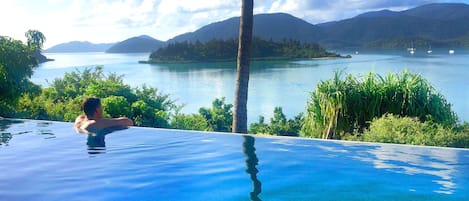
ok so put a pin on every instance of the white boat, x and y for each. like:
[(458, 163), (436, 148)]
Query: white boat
[(429, 51), (451, 51), (411, 49)]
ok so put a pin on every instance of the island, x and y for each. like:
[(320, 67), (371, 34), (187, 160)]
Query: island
[(218, 50)]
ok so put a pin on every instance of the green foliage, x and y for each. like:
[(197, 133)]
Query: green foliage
[(279, 125), (16, 67), (62, 101), (407, 130), (219, 117), (116, 106), (189, 122), (147, 115), (226, 50), (341, 106), (35, 39)]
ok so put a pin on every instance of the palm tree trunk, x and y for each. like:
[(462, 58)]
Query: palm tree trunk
[(242, 76)]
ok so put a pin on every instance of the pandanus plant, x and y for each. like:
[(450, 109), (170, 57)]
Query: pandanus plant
[(340, 106)]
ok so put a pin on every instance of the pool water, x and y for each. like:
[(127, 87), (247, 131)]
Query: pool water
[(42, 160)]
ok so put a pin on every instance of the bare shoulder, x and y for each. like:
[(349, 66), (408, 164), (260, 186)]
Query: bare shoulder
[(84, 124), (79, 121)]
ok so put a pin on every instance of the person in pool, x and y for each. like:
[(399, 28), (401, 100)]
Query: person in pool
[(93, 118)]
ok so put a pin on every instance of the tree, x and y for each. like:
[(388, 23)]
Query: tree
[(242, 76), (35, 39), (219, 117), (16, 67)]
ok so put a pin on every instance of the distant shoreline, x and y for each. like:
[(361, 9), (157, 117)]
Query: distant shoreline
[(252, 59), (331, 58)]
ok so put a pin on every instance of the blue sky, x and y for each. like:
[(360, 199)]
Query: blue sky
[(104, 21)]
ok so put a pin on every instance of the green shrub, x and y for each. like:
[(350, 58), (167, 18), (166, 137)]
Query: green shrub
[(279, 125), (340, 106), (407, 130), (62, 101), (116, 106), (189, 122), (219, 117)]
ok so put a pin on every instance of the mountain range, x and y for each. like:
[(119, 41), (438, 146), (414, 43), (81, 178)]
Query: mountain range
[(440, 24), (79, 46), (141, 43)]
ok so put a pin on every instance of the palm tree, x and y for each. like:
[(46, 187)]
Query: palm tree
[(242, 76), (35, 39)]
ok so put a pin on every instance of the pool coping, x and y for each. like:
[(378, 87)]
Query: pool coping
[(265, 136)]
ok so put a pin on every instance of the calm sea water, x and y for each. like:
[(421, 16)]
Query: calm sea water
[(43, 160), (272, 83)]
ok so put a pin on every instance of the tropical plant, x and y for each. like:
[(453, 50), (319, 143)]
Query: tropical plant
[(340, 106), (217, 118), (35, 39), (16, 67), (279, 125), (189, 122), (62, 100), (242, 76)]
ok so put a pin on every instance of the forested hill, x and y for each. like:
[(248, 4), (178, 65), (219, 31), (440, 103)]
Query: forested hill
[(226, 50), (276, 26), (436, 25), (142, 43), (443, 24)]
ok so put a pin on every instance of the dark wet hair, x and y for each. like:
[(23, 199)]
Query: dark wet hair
[(90, 105)]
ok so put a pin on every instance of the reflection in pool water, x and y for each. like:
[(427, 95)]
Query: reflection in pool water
[(435, 162), (159, 164), (96, 139), (251, 163)]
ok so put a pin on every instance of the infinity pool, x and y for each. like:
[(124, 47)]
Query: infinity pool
[(41, 160)]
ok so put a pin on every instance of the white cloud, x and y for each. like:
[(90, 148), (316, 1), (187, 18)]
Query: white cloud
[(12, 23), (115, 20)]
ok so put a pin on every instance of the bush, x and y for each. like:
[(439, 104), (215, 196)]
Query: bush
[(116, 106), (407, 130), (16, 67), (219, 117), (340, 106), (189, 122), (279, 125), (62, 101)]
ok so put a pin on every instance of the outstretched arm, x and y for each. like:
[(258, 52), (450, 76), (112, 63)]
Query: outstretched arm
[(105, 123)]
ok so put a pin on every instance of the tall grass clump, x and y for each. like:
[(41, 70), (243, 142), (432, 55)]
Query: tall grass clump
[(348, 104)]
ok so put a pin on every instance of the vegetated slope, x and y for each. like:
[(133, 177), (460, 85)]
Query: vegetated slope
[(142, 43), (276, 26), (442, 24)]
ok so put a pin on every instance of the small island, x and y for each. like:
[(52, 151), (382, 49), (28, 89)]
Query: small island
[(218, 50)]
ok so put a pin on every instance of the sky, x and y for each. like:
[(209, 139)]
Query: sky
[(108, 21)]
